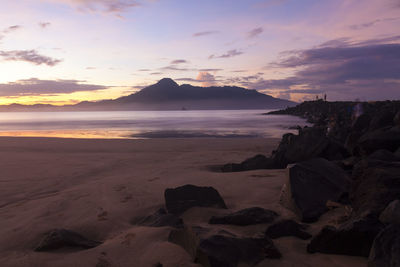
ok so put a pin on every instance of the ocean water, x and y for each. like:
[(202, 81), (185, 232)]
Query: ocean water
[(147, 124)]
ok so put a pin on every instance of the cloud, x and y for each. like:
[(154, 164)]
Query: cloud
[(255, 32), (179, 61), (205, 78), (198, 34), (44, 24), (174, 68), (144, 70), (210, 70), (31, 56), (346, 71), (230, 53), (35, 86), (103, 6), (371, 23), (269, 3), (9, 30)]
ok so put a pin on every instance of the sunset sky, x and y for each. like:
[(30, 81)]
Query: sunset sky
[(66, 51)]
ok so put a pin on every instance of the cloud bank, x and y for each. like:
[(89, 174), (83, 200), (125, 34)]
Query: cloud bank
[(31, 56)]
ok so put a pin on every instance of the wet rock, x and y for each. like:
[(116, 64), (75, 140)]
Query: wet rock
[(159, 219), (311, 142), (391, 215), (287, 228), (59, 238), (255, 163), (311, 184), (210, 249), (353, 238), (375, 184), (248, 216), (180, 199), (384, 138), (382, 119), (385, 251), (384, 155)]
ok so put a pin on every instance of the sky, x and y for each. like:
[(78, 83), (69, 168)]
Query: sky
[(67, 51)]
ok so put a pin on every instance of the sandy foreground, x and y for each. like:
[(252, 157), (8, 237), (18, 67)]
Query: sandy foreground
[(96, 188)]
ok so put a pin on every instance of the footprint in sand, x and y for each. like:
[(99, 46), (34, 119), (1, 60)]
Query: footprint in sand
[(128, 238), (153, 179), (102, 216), (103, 262)]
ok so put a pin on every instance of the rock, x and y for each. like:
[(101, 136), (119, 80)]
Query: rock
[(353, 238), (397, 153), (180, 199), (391, 215), (255, 163), (385, 138), (375, 184), (382, 119), (59, 238), (287, 228), (396, 119), (385, 251), (311, 184), (159, 219), (209, 249), (311, 142), (246, 217), (384, 155)]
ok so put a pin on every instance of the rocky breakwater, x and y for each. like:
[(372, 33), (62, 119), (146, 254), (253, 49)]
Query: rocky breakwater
[(350, 157)]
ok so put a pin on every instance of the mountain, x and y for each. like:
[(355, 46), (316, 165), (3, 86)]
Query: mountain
[(168, 95)]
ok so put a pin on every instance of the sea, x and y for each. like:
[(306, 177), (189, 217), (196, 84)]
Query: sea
[(148, 124)]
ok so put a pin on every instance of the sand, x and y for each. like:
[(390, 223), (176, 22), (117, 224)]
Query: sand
[(96, 187)]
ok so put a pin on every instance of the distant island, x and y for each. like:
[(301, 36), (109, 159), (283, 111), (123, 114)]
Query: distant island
[(168, 95)]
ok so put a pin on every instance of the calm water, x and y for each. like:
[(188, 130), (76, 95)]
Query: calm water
[(147, 124)]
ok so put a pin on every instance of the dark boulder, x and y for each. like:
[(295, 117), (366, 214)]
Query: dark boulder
[(384, 155), (160, 218), (382, 119), (311, 142), (353, 238), (385, 251), (391, 214), (396, 119), (287, 228), (180, 199), (384, 138), (255, 163), (248, 216), (60, 238), (375, 184), (311, 184), (223, 249)]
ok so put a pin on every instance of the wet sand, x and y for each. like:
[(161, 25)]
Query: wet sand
[(96, 187)]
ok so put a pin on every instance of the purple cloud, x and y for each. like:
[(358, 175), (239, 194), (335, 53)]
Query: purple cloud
[(198, 34), (255, 32), (31, 56), (178, 61), (35, 86), (44, 24), (230, 53)]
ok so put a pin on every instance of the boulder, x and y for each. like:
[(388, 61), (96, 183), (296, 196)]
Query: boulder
[(311, 142), (375, 184), (391, 215), (311, 184), (180, 199), (353, 238), (396, 119), (255, 163), (160, 218), (385, 251), (384, 138), (244, 217), (223, 249), (60, 238), (287, 228), (384, 155), (382, 119)]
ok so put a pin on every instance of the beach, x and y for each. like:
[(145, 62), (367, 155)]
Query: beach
[(97, 187)]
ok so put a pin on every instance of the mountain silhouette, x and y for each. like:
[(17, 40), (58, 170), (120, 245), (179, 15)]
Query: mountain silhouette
[(167, 94)]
